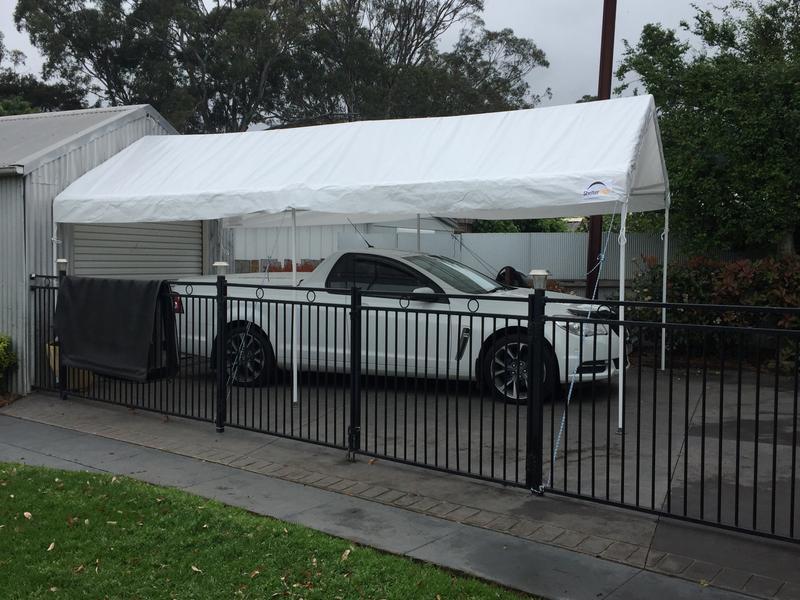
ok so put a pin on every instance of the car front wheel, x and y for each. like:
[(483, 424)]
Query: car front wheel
[(505, 369), (249, 359)]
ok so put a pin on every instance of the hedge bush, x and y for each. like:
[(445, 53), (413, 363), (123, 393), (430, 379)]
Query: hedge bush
[(8, 359), (700, 280), (752, 283)]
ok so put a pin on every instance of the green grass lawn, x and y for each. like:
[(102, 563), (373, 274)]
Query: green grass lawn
[(82, 535)]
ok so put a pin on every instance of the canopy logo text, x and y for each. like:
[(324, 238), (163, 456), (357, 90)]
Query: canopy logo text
[(597, 188)]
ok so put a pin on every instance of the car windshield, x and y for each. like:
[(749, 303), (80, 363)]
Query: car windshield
[(453, 273)]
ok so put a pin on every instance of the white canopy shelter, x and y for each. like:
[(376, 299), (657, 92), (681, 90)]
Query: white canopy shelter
[(581, 159)]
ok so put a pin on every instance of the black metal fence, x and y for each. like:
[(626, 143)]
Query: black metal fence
[(696, 418)]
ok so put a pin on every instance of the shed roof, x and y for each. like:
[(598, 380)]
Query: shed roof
[(26, 139)]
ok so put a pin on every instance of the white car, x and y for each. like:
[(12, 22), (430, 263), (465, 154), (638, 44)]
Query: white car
[(423, 316)]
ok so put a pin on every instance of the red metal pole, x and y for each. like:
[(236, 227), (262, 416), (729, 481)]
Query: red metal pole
[(603, 93)]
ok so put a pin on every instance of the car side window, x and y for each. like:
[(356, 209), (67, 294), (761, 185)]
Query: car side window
[(395, 278), (377, 274), (349, 272)]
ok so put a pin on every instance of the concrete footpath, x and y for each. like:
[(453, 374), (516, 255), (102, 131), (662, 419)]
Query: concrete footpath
[(551, 546), (521, 564)]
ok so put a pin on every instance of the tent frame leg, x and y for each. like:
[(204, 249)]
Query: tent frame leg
[(295, 336), (664, 268), (622, 356)]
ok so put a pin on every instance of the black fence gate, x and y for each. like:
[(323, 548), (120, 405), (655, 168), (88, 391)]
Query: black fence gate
[(695, 419)]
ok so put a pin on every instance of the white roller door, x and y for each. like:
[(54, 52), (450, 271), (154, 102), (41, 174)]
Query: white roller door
[(158, 250)]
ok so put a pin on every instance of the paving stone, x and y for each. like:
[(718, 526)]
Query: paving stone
[(524, 528), (673, 564), (284, 471), (270, 468), (641, 554), (462, 513), (342, 485), (296, 475), (262, 466), (442, 509), (570, 539), (731, 579), (357, 488), (619, 551), (482, 518), (424, 504), (789, 591), (243, 462), (390, 496), (406, 500), (374, 491), (312, 478), (546, 533), (502, 523), (701, 571), (594, 545), (762, 586), (654, 557), (327, 481)]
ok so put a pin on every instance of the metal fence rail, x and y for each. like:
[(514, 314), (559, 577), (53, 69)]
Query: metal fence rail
[(522, 391)]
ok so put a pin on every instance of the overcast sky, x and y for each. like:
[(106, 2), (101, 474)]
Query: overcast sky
[(567, 30)]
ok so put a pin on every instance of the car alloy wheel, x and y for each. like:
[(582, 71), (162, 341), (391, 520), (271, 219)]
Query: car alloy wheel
[(506, 369), (248, 354)]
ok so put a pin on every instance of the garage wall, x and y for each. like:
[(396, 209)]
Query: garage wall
[(140, 250), (13, 291)]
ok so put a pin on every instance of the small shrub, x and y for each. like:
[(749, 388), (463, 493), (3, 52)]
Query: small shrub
[(8, 359)]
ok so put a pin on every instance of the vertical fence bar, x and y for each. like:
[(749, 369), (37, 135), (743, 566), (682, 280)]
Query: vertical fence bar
[(222, 382), (354, 431), (62, 369), (533, 444)]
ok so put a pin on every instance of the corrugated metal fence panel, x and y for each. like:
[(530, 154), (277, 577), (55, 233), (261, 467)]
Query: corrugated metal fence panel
[(159, 250), (562, 254), (314, 242), (13, 279)]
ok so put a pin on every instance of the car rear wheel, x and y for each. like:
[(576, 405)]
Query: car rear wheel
[(249, 358), (505, 369)]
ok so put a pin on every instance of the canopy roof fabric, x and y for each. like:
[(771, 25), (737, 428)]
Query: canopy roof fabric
[(580, 159)]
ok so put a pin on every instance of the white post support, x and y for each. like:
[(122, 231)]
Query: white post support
[(419, 234), (621, 336), (295, 337), (665, 264)]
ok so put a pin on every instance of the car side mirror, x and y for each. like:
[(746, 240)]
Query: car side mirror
[(425, 294)]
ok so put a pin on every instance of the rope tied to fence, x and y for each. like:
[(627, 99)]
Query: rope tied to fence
[(597, 267)]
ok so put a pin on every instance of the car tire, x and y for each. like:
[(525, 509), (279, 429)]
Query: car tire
[(256, 359), (505, 366)]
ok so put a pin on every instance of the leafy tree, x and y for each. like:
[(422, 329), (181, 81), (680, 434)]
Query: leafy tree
[(380, 59), (730, 122), (227, 65), (23, 93), (207, 68)]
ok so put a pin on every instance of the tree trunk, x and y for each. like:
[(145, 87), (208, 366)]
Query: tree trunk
[(787, 247)]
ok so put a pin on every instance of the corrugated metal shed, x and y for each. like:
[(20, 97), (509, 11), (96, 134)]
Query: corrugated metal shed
[(39, 156), (27, 140)]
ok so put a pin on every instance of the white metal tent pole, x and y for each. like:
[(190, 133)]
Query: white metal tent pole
[(419, 237), (665, 263), (621, 336), (295, 337)]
